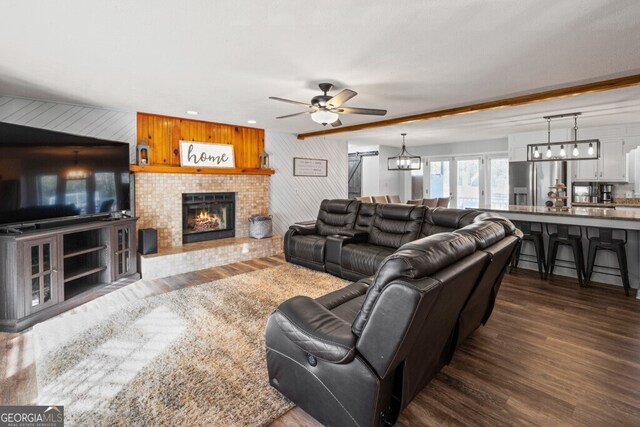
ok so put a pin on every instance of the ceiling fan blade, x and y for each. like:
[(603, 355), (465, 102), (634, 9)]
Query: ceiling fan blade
[(354, 110), (293, 115), (341, 98), (275, 98), (336, 123)]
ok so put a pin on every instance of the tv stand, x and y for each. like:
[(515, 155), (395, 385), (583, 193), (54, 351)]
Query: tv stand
[(44, 272)]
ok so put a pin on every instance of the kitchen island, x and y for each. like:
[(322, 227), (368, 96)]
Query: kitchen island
[(582, 217)]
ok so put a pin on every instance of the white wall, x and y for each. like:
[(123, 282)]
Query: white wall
[(296, 198), (391, 182), (70, 118), (462, 148)]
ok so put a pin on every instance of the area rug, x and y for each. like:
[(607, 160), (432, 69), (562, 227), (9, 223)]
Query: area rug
[(193, 356)]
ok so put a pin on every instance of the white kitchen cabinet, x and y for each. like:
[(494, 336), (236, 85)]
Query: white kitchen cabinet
[(517, 149), (612, 164), (518, 142), (585, 170)]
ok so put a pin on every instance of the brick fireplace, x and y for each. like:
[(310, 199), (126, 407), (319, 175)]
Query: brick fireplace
[(159, 201)]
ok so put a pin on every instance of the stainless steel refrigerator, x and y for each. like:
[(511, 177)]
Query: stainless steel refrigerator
[(529, 182)]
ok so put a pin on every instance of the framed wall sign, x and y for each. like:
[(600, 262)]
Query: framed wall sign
[(309, 167), (206, 155)]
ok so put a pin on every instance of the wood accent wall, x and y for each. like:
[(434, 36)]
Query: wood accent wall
[(163, 134)]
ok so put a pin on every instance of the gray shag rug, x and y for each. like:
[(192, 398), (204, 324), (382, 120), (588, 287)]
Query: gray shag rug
[(194, 356)]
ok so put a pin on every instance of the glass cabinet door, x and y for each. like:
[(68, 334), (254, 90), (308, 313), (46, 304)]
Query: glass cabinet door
[(41, 274), (123, 261)]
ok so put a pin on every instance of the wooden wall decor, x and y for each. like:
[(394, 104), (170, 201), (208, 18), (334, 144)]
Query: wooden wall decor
[(163, 134)]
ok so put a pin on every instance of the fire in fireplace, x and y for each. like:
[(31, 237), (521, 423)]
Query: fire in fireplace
[(207, 216)]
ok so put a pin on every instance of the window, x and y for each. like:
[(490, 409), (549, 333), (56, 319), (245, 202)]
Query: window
[(468, 182), (499, 182), (439, 178)]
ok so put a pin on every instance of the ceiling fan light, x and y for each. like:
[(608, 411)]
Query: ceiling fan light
[(324, 117)]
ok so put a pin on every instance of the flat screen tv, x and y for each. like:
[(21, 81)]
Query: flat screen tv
[(47, 176)]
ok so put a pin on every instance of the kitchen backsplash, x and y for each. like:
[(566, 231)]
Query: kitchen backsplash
[(623, 190)]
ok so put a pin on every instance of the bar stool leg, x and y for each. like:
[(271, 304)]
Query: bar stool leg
[(578, 257), (539, 245), (516, 256), (553, 252), (624, 272), (591, 260)]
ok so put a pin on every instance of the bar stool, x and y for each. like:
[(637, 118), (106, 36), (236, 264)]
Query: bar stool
[(604, 240), (562, 236), (533, 235)]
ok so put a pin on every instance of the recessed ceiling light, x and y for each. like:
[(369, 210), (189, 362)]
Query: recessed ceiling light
[(192, 112), (251, 122)]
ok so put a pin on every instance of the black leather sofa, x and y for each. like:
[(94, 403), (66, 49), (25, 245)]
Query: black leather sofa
[(350, 239), (359, 355)]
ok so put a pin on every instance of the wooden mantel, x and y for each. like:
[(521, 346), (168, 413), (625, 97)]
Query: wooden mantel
[(201, 171), (164, 133)]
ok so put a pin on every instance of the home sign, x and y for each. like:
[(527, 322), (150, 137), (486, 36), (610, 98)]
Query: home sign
[(206, 155)]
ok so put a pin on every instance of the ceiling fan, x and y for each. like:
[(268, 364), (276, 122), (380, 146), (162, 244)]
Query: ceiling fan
[(325, 109)]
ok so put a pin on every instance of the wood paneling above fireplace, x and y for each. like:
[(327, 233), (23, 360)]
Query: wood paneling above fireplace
[(163, 134)]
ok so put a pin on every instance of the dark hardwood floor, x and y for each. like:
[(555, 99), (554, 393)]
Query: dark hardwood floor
[(551, 354)]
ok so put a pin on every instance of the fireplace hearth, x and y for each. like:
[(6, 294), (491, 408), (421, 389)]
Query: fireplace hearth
[(208, 216)]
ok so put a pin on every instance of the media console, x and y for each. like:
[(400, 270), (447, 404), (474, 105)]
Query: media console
[(44, 272)]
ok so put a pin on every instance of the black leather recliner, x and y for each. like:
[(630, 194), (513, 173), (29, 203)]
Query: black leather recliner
[(357, 253), (359, 355), (305, 244)]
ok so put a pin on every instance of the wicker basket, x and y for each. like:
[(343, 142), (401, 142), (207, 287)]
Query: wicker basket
[(260, 226)]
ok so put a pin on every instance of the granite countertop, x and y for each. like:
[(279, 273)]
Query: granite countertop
[(606, 205), (601, 213)]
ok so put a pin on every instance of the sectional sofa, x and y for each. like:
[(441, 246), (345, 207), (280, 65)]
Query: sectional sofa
[(426, 279)]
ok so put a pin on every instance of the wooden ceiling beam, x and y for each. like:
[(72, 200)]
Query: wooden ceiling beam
[(600, 86)]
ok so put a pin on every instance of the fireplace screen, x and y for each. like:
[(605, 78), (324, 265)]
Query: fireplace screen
[(207, 216)]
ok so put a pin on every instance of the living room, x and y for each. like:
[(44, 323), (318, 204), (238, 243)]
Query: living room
[(284, 213)]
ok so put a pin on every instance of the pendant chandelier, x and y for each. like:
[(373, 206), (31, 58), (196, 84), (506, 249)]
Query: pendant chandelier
[(404, 161), (584, 149)]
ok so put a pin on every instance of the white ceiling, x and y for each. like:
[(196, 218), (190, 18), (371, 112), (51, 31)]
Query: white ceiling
[(224, 58), (614, 107)]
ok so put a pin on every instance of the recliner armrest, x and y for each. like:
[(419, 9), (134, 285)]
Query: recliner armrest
[(304, 229), (316, 330), (359, 235), (337, 241)]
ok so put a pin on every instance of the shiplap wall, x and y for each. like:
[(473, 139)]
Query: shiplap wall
[(296, 198), (69, 118)]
